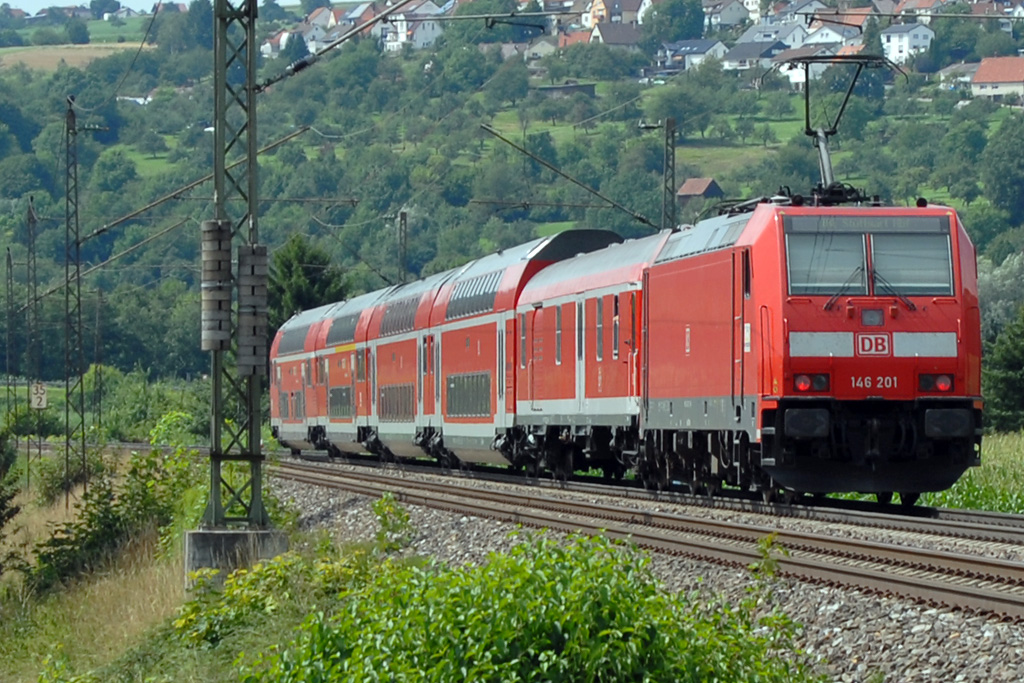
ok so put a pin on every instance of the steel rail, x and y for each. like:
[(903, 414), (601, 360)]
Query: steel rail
[(978, 525), (973, 583), (975, 525)]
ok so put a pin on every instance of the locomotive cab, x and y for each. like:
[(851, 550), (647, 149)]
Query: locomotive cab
[(879, 385)]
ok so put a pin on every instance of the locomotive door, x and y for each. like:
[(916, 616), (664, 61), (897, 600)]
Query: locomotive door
[(645, 389), (740, 327), (581, 370)]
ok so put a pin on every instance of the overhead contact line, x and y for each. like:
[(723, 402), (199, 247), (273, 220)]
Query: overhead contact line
[(614, 204)]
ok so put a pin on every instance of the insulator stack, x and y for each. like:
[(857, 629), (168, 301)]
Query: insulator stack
[(252, 310), (216, 285)]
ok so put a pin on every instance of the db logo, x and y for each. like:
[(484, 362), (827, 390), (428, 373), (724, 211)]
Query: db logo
[(873, 345)]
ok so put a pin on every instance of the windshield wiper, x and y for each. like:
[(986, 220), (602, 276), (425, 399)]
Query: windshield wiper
[(889, 289), (845, 286)]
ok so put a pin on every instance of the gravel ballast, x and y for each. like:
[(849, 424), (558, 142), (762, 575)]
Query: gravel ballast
[(858, 637)]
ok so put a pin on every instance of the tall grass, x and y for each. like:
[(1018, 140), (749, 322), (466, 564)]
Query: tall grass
[(998, 485), (94, 620)]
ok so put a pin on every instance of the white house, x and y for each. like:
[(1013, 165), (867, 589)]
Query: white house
[(999, 78), (900, 42), (753, 10), (832, 34), (642, 10), (912, 8), (791, 35), (798, 12), (719, 13), (687, 54), (415, 26), (796, 74), (745, 56), (273, 45)]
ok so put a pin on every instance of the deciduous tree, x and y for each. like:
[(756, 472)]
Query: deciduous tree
[(1003, 376), (1002, 168), (670, 21)]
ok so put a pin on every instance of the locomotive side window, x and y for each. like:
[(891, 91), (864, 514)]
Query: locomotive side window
[(912, 264), (822, 263), (746, 274)]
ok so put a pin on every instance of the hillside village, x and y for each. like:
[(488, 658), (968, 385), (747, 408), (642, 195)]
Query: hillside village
[(744, 35), (735, 32)]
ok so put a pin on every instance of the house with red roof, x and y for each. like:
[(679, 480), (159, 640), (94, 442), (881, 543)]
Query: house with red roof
[(997, 11), (919, 7), (698, 188), (1000, 79), (572, 37), (855, 17)]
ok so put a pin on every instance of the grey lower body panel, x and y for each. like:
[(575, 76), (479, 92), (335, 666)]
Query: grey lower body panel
[(717, 413)]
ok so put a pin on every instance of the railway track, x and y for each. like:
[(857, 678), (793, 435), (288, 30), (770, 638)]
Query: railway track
[(973, 583), (978, 525)]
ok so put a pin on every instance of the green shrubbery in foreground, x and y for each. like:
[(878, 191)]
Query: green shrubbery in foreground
[(588, 609)]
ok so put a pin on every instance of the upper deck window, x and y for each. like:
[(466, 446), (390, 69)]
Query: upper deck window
[(826, 264), (913, 265)]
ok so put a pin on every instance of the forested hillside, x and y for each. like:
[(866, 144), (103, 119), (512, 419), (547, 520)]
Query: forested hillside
[(402, 132)]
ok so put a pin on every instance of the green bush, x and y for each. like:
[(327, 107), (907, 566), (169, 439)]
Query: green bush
[(585, 610), (7, 453), (246, 595), (8, 511), (154, 491), (56, 476)]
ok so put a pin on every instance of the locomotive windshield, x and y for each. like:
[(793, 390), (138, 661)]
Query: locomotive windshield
[(826, 264), (914, 265), (910, 255)]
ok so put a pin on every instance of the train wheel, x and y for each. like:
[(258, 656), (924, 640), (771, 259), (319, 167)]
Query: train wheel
[(885, 497), (532, 470), (614, 471), (769, 495), (909, 499), (563, 470), (791, 497)]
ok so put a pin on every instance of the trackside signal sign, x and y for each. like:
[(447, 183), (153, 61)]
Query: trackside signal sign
[(38, 396), (874, 344)]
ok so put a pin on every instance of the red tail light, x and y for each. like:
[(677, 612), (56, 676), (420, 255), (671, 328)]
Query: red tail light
[(803, 383), (937, 383)]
